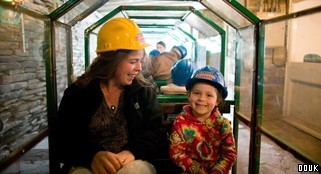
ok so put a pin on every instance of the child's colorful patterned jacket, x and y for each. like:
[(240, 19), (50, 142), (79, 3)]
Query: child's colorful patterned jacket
[(208, 145)]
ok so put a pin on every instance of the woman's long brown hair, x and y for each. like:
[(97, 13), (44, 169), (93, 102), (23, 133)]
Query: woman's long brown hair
[(104, 67)]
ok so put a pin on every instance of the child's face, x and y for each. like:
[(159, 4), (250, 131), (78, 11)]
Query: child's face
[(203, 99)]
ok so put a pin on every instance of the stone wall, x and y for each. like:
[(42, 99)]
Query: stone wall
[(23, 102), (22, 80)]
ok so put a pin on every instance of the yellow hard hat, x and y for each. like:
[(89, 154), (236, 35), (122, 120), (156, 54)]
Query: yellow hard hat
[(120, 33)]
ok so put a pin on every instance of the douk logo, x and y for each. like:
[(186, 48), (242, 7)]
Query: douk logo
[(308, 168)]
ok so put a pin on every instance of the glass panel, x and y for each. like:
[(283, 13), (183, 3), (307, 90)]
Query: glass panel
[(291, 91), (304, 5), (155, 30), (155, 13), (213, 17), (209, 50), (201, 25), (210, 46), (156, 21), (40, 7), (209, 53), (182, 38), (23, 104), (267, 9), (57, 4), (77, 10), (160, 25), (230, 61), (78, 62), (112, 4), (272, 158), (154, 38), (226, 12), (93, 46), (61, 59), (244, 71), (177, 38), (243, 152), (155, 33)]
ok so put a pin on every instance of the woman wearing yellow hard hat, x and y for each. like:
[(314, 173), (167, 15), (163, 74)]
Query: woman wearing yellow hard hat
[(109, 118)]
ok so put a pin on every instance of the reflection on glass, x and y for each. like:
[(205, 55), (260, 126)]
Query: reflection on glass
[(23, 103), (292, 92)]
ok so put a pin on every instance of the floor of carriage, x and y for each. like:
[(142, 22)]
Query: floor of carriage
[(273, 159)]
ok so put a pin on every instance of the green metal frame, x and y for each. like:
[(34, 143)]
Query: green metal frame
[(191, 37), (25, 10), (155, 26), (187, 34), (164, 98), (63, 9), (244, 11), (50, 76), (172, 8), (51, 87), (256, 109), (119, 10), (297, 152), (255, 135), (69, 55), (155, 17), (257, 89), (87, 12), (51, 80)]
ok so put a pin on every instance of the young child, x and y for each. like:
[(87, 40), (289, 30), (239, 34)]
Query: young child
[(201, 139)]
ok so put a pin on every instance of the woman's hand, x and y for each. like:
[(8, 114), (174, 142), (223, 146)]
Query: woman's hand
[(105, 162), (125, 157)]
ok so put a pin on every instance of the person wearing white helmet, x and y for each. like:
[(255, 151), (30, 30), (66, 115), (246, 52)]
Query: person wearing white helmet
[(109, 117), (201, 140)]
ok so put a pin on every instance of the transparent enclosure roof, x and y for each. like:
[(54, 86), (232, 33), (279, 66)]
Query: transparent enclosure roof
[(158, 17)]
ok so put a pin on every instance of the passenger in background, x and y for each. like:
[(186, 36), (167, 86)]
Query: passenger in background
[(109, 119), (145, 71), (152, 57), (160, 69), (154, 54), (180, 72), (201, 140), (161, 46)]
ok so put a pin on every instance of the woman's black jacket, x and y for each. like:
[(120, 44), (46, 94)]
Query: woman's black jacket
[(147, 138)]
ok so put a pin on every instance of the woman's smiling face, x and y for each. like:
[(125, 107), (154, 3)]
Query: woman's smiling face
[(203, 99), (129, 68)]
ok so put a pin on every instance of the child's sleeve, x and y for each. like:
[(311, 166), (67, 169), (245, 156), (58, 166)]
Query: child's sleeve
[(228, 151), (177, 149)]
